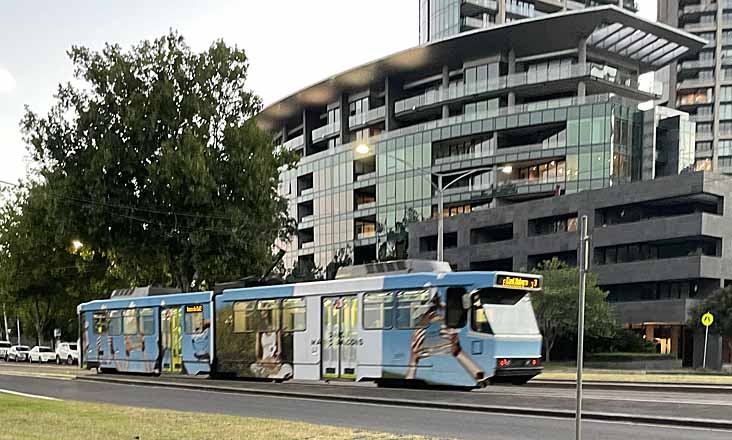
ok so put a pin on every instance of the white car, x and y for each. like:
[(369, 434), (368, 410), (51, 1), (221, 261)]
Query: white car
[(18, 353), (67, 352), (4, 347), (40, 353)]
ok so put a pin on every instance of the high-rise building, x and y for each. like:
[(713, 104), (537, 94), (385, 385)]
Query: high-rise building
[(515, 112), (701, 83), (444, 18)]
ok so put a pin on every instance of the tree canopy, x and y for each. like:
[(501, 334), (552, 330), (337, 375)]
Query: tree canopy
[(157, 161), (556, 305)]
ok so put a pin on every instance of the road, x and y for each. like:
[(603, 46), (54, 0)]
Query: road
[(435, 423)]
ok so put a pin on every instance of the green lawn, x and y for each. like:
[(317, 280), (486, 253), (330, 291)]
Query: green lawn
[(26, 418)]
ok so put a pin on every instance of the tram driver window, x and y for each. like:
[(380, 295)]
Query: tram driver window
[(193, 323), (455, 316), (100, 323), (377, 310)]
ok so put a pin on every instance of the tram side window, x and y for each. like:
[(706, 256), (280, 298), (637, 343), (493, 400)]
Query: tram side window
[(115, 323), (147, 323), (268, 315), (378, 309), (193, 323), (101, 323), (244, 316), (293, 314), (129, 321), (455, 316), (413, 307), (478, 319)]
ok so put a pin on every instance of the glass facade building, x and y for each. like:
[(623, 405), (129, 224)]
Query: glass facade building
[(502, 119), (444, 18)]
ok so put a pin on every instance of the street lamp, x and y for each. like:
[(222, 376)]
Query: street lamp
[(363, 149)]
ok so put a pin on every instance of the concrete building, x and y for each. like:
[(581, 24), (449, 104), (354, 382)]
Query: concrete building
[(701, 83), (658, 246), (528, 108), (445, 18)]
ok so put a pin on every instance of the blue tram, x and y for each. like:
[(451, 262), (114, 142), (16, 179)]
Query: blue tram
[(438, 328)]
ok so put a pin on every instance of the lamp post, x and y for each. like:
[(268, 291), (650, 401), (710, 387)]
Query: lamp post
[(440, 188)]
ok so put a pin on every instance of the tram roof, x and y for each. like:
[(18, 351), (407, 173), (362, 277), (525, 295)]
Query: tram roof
[(146, 301)]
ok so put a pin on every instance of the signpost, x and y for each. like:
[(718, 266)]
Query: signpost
[(584, 260), (707, 319)]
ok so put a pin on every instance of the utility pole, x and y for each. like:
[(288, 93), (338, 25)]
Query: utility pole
[(5, 318), (584, 259), (17, 321)]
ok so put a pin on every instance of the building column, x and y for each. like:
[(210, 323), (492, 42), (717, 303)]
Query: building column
[(307, 131), (717, 88), (511, 71), (392, 90), (582, 60), (501, 16), (345, 113), (445, 90), (675, 339), (649, 332)]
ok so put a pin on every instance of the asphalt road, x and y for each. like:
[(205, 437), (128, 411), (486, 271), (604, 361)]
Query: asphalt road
[(435, 423)]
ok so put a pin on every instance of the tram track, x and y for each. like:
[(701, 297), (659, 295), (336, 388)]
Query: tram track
[(418, 399)]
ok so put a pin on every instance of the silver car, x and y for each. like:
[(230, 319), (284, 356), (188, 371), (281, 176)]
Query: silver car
[(18, 353)]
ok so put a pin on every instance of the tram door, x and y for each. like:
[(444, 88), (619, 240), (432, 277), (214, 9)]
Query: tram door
[(171, 342), (340, 337)]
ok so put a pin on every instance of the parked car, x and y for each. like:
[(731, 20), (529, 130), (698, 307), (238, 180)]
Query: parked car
[(18, 353), (4, 347), (40, 353), (67, 352)]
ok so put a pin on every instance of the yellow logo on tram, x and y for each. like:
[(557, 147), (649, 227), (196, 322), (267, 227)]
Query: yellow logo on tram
[(198, 308)]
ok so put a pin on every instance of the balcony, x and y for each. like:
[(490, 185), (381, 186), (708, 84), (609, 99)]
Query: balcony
[(520, 8), (472, 23), (473, 7), (697, 9), (681, 268), (665, 310), (697, 64), (706, 117), (575, 71), (373, 115), (326, 131), (700, 27), (695, 83), (295, 143)]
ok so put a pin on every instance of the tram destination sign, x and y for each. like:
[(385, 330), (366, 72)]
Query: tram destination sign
[(195, 308), (516, 281)]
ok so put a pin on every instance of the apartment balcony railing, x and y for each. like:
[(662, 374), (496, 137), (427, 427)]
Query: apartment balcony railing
[(472, 7), (363, 235), (696, 83), (697, 64), (368, 117), (701, 118), (698, 9), (610, 74), (307, 218), (366, 205), (520, 8), (294, 143), (325, 131), (473, 23), (699, 27)]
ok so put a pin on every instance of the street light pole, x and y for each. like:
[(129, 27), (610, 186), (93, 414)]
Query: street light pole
[(440, 220), (584, 250)]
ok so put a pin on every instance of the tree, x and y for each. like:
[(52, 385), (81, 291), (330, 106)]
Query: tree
[(342, 258), (397, 239), (719, 304), (158, 162), (556, 305), (42, 275)]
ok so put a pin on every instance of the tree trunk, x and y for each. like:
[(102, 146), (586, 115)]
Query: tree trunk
[(37, 324)]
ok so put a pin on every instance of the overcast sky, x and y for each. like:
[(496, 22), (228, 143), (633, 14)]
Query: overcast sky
[(290, 43)]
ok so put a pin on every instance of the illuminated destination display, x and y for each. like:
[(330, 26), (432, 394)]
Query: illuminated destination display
[(198, 308), (518, 281)]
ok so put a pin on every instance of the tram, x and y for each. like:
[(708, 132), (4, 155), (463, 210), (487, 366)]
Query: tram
[(423, 324)]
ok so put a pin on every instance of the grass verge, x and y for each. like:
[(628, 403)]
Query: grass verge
[(35, 419)]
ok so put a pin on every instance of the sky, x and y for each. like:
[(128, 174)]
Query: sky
[(290, 43)]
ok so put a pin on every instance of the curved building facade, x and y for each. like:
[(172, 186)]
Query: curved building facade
[(520, 111)]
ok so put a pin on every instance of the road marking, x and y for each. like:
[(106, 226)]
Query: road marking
[(59, 376), (33, 396)]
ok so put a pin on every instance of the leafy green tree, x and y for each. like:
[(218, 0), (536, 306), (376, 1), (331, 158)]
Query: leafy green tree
[(157, 161), (719, 304), (42, 274), (556, 305)]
